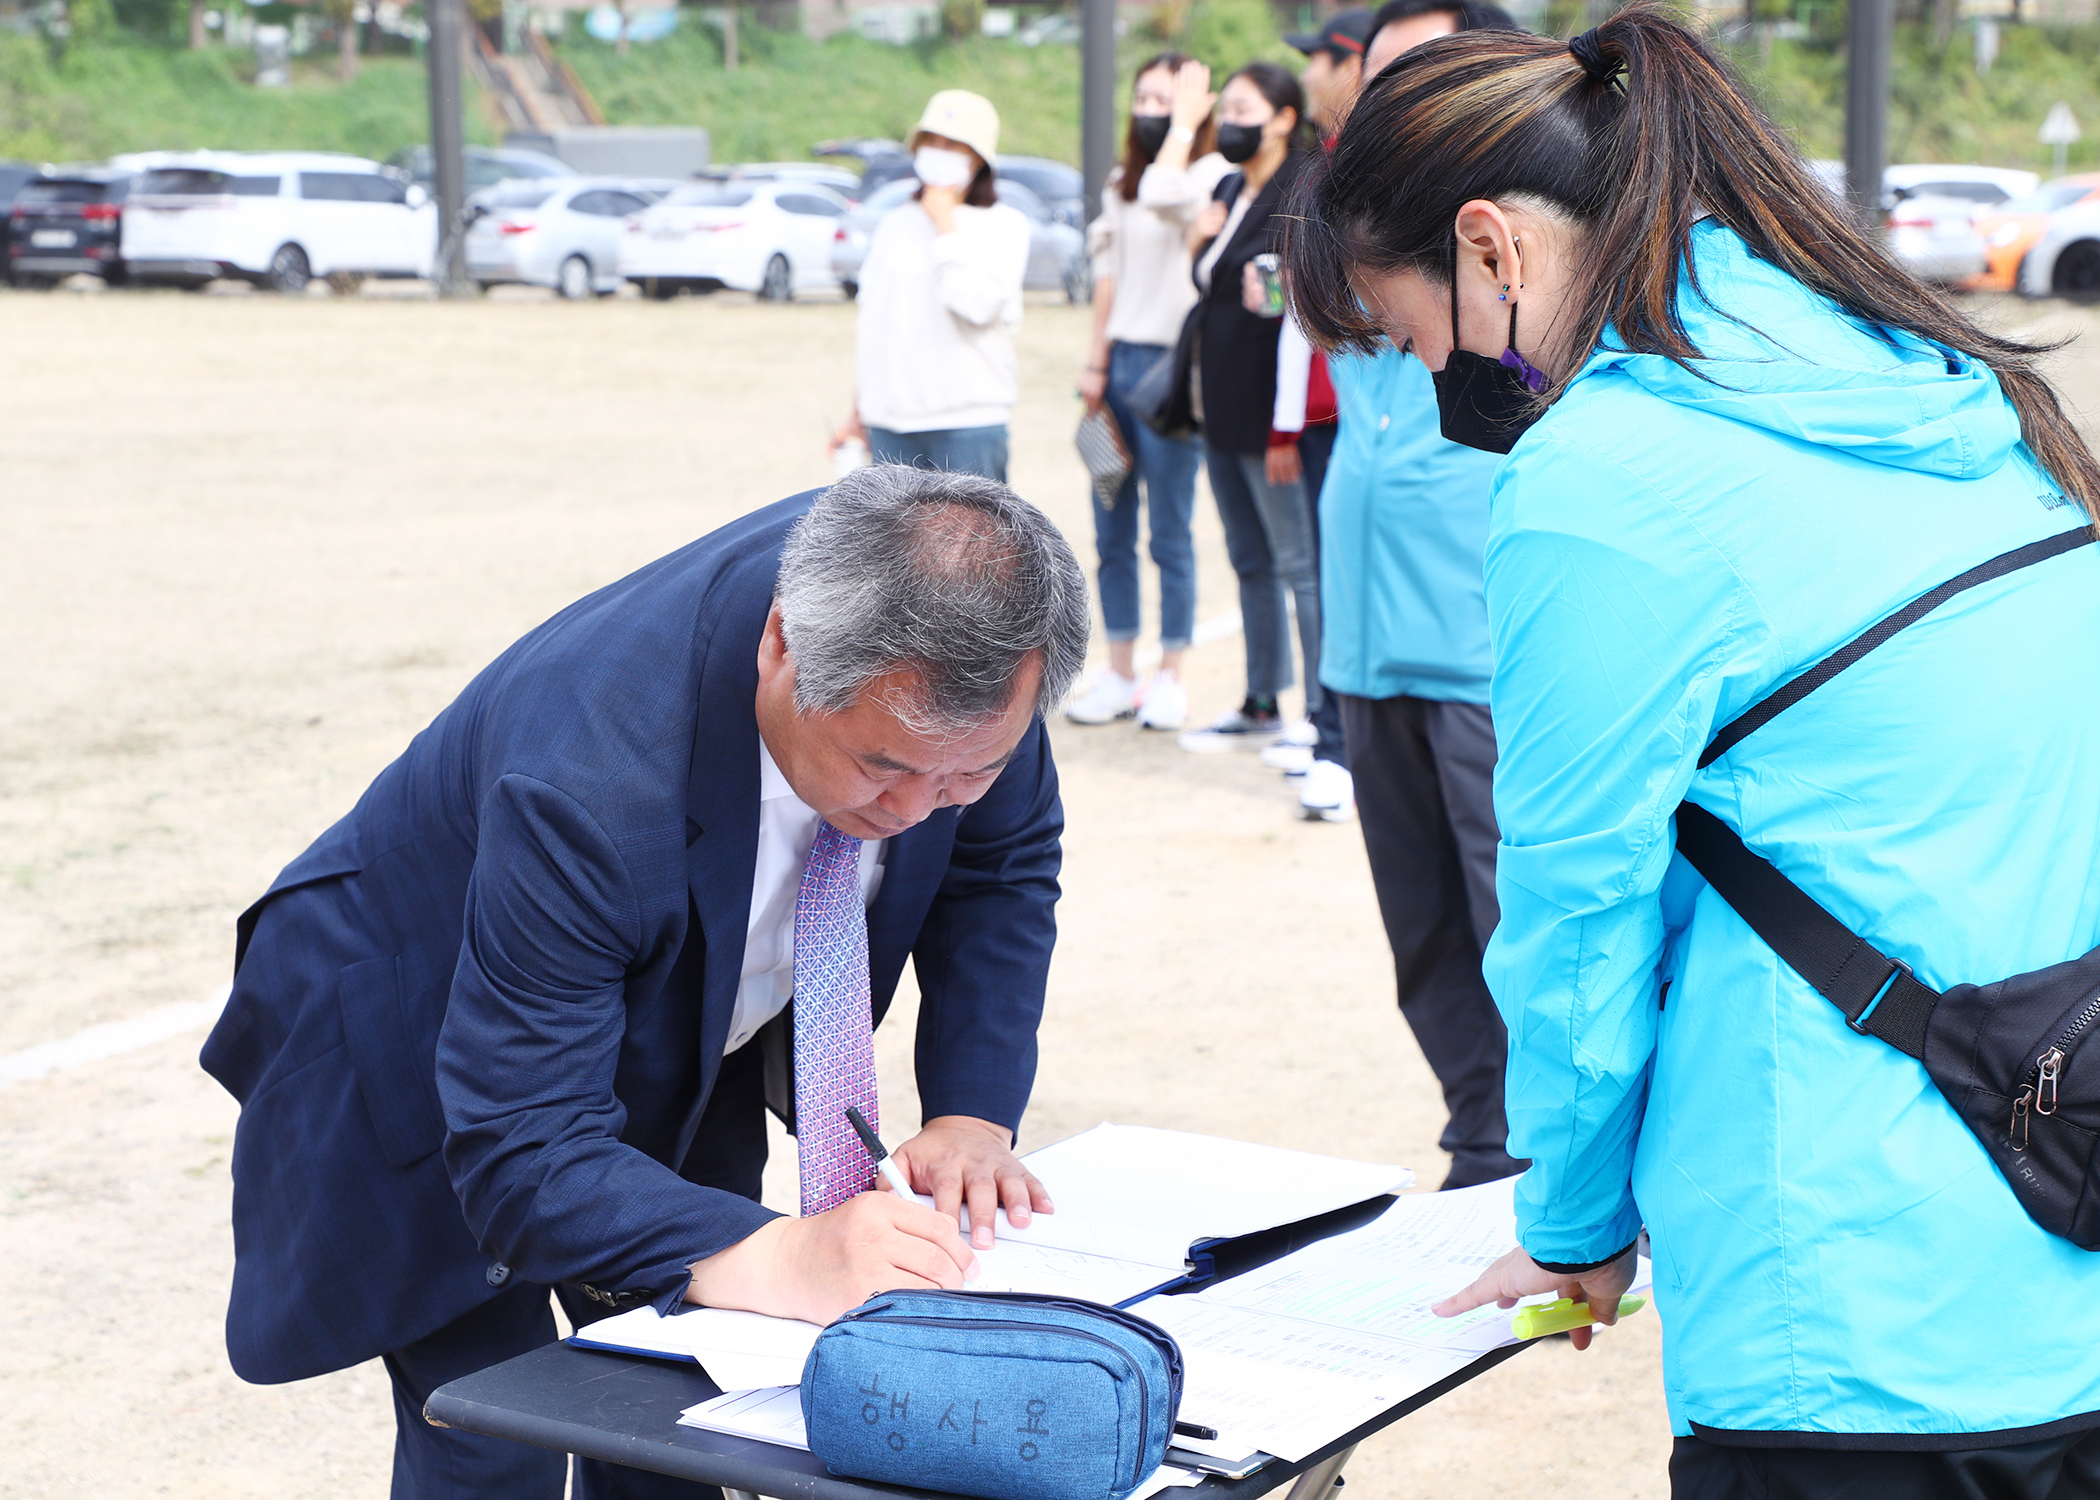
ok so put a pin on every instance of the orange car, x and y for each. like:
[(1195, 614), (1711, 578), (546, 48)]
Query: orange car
[(2010, 230)]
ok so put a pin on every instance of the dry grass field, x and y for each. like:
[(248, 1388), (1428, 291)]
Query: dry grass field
[(249, 546)]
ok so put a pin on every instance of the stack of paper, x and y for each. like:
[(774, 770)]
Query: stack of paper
[(1131, 1202), (1148, 1196)]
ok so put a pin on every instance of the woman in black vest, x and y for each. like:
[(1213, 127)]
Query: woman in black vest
[(1268, 527)]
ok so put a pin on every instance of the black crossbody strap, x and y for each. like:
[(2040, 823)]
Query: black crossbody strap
[(1781, 699), (1843, 967)]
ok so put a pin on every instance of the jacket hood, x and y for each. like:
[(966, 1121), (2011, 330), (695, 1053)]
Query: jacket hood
[(1784, 358)]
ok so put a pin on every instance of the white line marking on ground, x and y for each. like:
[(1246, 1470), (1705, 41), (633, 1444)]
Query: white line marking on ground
[(110, 1040), (118, 1037)]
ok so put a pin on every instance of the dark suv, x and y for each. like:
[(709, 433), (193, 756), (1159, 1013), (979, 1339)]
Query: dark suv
[(67, 223), (13, 174)]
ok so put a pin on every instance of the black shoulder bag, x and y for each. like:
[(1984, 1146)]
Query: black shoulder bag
[(1164, 399), (2016, 1058)]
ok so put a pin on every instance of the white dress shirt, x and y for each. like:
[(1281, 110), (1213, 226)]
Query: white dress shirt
[(787, 827)]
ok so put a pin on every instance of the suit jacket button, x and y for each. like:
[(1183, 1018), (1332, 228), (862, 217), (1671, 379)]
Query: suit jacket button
[(498, 1274)]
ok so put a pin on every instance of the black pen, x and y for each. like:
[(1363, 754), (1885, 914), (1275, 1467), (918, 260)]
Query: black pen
[(879, 1153), (1197, 1431)]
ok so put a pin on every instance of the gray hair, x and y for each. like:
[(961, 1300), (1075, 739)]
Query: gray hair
[(949, 576)]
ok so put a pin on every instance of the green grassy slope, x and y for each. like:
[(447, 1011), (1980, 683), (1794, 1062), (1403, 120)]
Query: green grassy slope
[(1939, 110), (126, 95)]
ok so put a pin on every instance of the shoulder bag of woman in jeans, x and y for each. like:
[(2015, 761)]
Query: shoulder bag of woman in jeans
[(1739, 434), (1142, 295)]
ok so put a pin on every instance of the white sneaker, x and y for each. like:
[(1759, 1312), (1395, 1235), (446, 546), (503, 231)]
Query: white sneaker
[(1329, 794), (1109, 697), (1301, 732), (1292, 760), (1166, 703)]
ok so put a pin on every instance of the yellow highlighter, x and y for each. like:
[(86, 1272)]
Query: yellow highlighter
[(1561, 1316)]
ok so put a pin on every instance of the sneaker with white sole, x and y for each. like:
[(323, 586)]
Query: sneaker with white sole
[(1292, 760), (1329, 793), (1301, 732), (1109, 697), (1250, 726), (1166, 704)]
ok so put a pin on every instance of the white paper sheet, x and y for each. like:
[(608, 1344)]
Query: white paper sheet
[(1139, 1194), (1286, 1387), (739, 1350), (1291, 1356), (772, 1415), (1015, 1266)]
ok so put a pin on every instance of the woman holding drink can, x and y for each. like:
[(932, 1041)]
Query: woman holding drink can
[(1268, 522), (1142, 294)]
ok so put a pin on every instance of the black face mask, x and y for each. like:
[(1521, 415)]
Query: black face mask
[(1151, 132), (1485, 403), (1238, 143)]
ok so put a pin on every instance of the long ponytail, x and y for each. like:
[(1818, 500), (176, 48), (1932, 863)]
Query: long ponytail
[(1643, 134)]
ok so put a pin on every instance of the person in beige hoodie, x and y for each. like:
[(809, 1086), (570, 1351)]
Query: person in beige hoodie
[(940, 297)]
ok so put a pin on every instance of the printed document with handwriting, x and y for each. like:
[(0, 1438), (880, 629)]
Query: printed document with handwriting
[(1290, 1356), (1131, 1201)]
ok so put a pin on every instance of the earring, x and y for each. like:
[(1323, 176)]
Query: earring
[(1503, 295)]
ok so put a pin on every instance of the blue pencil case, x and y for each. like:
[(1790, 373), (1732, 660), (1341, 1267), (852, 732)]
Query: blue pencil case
[(1007, 1396)]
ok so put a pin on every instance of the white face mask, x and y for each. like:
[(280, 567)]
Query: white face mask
[(939, 167)]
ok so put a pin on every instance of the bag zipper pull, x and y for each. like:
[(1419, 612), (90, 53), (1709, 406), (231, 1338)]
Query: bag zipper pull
[(2045, 1081), (2018, 1134)]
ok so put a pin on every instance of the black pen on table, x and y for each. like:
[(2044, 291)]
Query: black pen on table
[(878, 1152)]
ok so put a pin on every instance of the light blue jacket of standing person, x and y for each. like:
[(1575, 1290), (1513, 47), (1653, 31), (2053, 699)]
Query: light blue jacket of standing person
[(1403, 527), (1834, 1252)]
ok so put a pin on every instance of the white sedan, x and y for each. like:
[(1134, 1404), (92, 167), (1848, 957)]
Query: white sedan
[(769, 237), (564, 233), (2065, 261)]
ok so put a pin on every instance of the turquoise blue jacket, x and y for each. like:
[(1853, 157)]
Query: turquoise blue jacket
[(1403, 526), (1834, 1252)]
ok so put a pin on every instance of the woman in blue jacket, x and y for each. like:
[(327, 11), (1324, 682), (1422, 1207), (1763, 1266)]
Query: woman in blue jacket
[(1738, 435)]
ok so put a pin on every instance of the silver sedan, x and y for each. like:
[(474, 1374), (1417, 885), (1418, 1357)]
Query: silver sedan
[(1056, 252)]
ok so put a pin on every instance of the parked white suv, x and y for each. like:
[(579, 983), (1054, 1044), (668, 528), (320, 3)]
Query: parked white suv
[(278, 219)]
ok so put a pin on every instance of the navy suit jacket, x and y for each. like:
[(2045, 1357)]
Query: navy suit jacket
[(475, 1025)]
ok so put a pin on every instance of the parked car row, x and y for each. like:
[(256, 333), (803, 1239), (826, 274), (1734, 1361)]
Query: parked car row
[(280, 220)]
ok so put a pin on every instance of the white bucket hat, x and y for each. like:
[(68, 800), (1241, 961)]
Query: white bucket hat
[(962, 116)]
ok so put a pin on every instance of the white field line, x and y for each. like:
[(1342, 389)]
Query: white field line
[(110, 1040), (118, 1037)]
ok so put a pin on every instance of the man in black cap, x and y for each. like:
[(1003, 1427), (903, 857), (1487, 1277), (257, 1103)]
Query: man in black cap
[(1334, 68)]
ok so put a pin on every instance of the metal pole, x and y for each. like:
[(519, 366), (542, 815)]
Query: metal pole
[(1097, 108), (448, 176), (1868, 28), (1319, 1481)]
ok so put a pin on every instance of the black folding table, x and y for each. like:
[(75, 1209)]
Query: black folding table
[(625, 1410)]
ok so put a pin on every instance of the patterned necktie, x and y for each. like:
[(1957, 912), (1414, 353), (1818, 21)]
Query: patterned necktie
[(834, 1041)]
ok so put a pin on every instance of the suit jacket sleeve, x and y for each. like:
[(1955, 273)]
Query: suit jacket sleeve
[(983, 954), (527, 1056)]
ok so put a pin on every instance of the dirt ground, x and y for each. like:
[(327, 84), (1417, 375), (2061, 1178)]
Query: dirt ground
[(249, 546)]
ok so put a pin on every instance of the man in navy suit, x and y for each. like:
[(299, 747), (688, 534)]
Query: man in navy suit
[(513, 1023)]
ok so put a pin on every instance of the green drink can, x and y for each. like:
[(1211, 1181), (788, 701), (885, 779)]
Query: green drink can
[(1270, 269)]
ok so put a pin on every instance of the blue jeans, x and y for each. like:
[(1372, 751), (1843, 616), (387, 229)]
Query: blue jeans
[(1269, 540), (959, 450), (1167, 467)]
